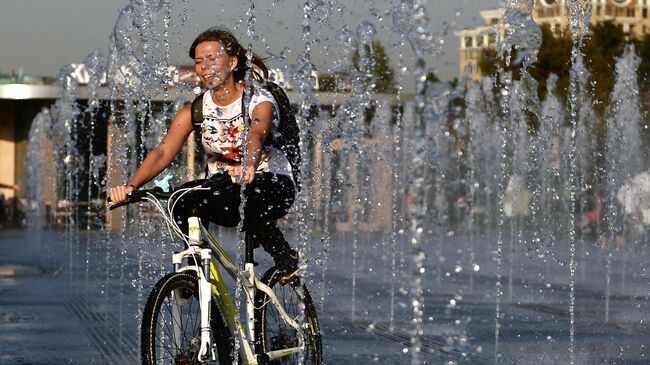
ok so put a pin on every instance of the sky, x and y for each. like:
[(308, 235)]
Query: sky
[(43, 35)]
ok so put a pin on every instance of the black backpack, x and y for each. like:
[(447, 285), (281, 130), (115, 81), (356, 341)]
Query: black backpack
[(286, 139)]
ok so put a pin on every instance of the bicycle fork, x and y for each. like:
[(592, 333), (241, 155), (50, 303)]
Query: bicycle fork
[(205, 296), (206, 351)]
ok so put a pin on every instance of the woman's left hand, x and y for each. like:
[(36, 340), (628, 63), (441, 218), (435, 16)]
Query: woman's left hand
[(236, 171)]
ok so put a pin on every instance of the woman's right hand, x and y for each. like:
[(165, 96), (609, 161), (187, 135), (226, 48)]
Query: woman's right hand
[(119, 194)]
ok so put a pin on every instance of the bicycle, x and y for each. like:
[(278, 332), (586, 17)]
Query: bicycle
[(190, 318)]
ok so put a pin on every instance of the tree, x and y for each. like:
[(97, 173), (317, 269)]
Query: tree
[(643, 50), (326, 82), (377, 66), (553, 58), (602, 48)]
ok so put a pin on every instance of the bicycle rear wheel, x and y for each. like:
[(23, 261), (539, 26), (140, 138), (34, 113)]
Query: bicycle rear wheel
[(171, 329), (271, 331)]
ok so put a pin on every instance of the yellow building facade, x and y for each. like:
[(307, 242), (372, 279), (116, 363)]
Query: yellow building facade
[(632, 15)]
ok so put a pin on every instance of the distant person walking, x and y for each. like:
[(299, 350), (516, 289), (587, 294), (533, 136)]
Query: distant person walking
[(3, 202)]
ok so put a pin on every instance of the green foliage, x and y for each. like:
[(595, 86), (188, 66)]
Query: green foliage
[(602, 47), (377, 66), (554, 57), (490, 62), (643, 50), (326, 82)]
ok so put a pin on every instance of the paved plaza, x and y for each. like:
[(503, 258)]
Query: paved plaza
[(74, 298)]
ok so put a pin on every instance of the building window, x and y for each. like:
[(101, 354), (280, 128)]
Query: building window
[(468, 42), (492, 38), (598, 9), (622, 2), (645, 13)]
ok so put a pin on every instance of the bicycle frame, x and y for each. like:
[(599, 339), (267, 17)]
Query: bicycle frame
[(212, 287)]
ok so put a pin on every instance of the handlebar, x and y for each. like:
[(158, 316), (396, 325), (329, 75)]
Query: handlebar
[(139, 195)]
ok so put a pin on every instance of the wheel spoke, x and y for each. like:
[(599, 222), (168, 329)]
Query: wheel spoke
[(187, 322), (168, 323), (171, 338), (179, 322), (276, 334), (167, 331), (197, 321), (177, 294), (168, 350)]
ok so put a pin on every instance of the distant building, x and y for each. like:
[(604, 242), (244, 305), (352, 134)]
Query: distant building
[(632, 15), (19, 77)]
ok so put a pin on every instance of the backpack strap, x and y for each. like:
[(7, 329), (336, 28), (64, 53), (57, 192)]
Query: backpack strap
[(197, 112)]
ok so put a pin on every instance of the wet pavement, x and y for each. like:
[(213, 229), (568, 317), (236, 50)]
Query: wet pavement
[(75, 298), (36, 325)]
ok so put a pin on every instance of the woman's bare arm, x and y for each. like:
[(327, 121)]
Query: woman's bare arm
[(160, 157)]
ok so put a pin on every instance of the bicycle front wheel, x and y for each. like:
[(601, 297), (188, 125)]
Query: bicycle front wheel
[(171, 324), (273, 333)]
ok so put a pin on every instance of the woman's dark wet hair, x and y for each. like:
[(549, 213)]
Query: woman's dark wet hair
[(233, 48)]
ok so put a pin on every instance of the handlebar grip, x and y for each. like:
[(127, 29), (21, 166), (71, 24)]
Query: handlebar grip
[(135, 196), (115, 206)]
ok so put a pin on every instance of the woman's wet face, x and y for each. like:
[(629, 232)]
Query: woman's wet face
[(212, 63)]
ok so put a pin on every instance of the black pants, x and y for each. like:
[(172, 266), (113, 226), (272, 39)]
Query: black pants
[(268, 198)]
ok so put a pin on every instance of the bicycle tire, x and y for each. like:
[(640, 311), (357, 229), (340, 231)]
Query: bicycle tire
[(157, 335), (273, 333)]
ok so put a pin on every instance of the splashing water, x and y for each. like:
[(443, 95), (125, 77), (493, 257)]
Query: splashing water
[(447, 176), (579, 18), (522, 33)]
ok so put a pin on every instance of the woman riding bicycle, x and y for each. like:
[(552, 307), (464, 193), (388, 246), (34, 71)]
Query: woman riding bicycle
[(220, 63)]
